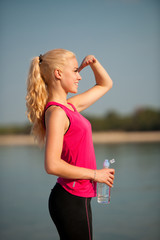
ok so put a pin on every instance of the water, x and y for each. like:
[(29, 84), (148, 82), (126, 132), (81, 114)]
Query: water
[(134, 210), (103, 192)]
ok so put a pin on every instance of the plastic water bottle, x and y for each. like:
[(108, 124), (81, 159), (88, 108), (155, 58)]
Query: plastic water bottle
[(104, 191)]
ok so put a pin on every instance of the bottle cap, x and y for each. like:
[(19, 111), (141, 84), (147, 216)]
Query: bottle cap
[(112, 160)]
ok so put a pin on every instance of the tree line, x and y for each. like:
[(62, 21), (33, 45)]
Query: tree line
[(144, 119)]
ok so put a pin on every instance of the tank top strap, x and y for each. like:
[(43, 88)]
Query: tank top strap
[(73, 107), (60, 105), (49, 104)]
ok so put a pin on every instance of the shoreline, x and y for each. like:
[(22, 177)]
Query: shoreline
[(98, 138)]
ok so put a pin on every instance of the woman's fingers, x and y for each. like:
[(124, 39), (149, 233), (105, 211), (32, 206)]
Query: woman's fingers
[(109, 184), (87, 61), (110, 177)]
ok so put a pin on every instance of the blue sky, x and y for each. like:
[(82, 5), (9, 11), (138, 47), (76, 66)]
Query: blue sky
[(123, 35)]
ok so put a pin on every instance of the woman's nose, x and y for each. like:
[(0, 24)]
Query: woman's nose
[(79, 77)]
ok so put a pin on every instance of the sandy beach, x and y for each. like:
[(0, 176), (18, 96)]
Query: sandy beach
[(98, 138)]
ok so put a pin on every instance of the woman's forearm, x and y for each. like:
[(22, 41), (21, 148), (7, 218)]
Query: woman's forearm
[(68, 171), (101, 76), (63, 169)]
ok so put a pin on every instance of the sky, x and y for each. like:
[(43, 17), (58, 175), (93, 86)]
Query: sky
[(124, 35)]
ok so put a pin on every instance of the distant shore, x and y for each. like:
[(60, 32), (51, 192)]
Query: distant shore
[(98, 138)]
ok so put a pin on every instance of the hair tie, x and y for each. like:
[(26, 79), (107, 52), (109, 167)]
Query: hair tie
[(40, 58)]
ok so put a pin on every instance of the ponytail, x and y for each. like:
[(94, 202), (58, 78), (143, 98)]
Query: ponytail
[(40, 79), (36, 99)]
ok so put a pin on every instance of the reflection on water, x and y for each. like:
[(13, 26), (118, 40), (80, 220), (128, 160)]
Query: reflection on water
[(133, 213)]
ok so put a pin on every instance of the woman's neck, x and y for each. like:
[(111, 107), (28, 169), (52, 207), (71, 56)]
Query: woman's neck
[(58, 97)]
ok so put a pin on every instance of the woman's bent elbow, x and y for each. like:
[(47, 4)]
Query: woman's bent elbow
[(111, 84), (50, 170)]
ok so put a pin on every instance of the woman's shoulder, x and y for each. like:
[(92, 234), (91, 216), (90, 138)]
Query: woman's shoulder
[(55, 113)]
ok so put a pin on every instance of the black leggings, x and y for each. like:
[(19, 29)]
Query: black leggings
[(71, 214)]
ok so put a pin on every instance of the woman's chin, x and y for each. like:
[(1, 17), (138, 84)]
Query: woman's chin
[(74, 91)]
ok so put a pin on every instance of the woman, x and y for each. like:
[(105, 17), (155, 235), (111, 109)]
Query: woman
[(69, 152)]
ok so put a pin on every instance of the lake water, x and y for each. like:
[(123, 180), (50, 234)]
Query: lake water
[(134, 211)]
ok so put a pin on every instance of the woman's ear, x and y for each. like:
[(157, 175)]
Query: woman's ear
[(58, 73)]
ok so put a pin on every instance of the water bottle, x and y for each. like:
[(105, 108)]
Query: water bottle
[(104, 191)]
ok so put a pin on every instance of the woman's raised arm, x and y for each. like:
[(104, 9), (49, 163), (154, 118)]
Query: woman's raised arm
[(103, 84)]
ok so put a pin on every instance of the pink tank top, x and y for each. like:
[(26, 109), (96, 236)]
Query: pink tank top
[(78, 150)]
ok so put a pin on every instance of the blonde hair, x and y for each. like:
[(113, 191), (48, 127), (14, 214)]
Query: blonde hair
[(39, 80)]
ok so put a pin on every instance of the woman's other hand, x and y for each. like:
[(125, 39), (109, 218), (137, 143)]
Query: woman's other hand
[(105, 175)]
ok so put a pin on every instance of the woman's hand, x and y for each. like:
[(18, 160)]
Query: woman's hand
[(88, 60), (105, 175)]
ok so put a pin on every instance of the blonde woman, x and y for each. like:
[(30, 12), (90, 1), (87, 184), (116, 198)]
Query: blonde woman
[(67, 135)]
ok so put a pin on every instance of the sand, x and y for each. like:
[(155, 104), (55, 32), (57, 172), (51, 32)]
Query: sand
[(98, 138)]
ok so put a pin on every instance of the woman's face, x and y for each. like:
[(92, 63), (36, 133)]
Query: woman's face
[(70, 76)]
